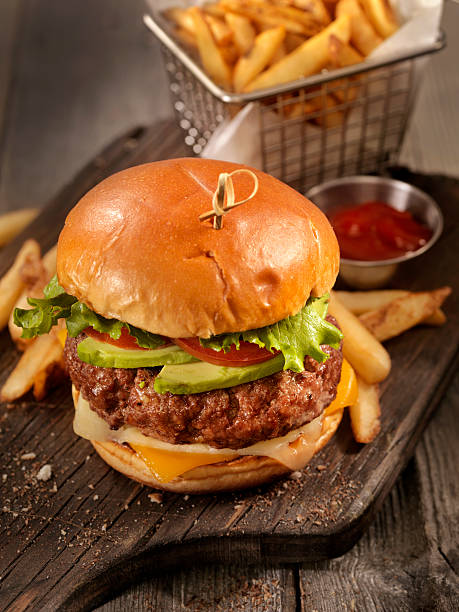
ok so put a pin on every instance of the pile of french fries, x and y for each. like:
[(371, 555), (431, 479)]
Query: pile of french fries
[(366, 318), (246, 45), (41, 365)]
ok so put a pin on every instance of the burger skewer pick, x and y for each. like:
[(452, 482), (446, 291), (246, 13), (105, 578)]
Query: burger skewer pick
[(226, 188), (200, 360)]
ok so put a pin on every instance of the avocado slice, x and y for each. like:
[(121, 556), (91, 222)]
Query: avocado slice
[(106, 355), (203, 376)]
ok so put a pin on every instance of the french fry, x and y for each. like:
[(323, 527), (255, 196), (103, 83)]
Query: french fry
[(51, 374), (34, 288), (363, 35), (436, 319), (315, 7), (381, 16), (359, 302), (38, 356), (329, 118), (342, 55), (307, 59), (186, 37), (365, 413), (211, 56), (214, 9), (243, 32), (278, 55), (265, 46), (12, 284), (49, 261), (221, 32), (293, 41), (265, 15), (12, 223), (403, 313), (366, 355), (182, 18)]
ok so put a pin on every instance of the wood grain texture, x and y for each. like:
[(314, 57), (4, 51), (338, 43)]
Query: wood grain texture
[(107, 530)]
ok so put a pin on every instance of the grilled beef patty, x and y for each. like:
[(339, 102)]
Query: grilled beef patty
[(225, 418)]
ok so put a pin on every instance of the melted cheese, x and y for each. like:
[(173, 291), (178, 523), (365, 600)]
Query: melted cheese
[(166, 465), (347, 390), (167, 461)]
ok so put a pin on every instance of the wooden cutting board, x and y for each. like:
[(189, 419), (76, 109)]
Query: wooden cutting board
[(73, 541)]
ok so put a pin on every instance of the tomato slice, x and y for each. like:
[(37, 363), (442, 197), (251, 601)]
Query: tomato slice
[(125, 341), (247, 354)]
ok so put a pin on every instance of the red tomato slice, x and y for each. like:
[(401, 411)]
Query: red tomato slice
[(125, 341), (248, 353)]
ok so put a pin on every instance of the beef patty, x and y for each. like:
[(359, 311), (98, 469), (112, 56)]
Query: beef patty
[(225, 418)]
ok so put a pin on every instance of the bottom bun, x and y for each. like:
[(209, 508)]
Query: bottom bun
[(241, 473)]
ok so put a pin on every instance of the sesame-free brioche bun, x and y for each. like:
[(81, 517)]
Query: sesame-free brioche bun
[(241, 473), (135, 250)]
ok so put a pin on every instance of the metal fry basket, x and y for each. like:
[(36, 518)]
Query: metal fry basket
[(343, 122)]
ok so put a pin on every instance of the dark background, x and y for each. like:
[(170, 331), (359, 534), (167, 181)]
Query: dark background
[(74, 74)]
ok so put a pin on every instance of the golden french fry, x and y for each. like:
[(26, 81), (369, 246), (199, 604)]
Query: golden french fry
[(51, 375), (186, 37), (182, 18), (49, 261), (366, 355), (403, 313), (12, 223), (315, 7), (45, 269), (12, 284), (214, 9), (265, 46), (221, 32), (307, 59), (365, 413), (211, 56), (15, 331), (293, 41), (381, 16), (342, 54), (363, 35), (359, 302), (329, 118), (229, 54), (345, 90), (243, 32), (263, 14), (436, 319), (43, 352), (278, 55)]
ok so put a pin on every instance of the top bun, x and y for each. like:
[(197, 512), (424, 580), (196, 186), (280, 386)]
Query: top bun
[(135, 250)]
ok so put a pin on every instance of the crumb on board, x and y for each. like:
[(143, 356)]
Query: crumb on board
[(45, 472), (155, 498)]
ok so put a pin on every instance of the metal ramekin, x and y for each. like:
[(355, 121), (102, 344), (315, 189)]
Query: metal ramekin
[(352, 190)]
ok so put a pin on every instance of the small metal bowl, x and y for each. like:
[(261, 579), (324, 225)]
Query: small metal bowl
[(353, 190)]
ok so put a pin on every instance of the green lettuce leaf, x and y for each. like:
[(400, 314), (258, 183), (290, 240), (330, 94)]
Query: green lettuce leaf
[(296, 336), (45, 312), (57, 304)]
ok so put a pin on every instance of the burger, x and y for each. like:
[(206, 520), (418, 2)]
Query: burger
[(199, 347)]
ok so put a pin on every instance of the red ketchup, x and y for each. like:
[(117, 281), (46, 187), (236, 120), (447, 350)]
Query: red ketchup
[(374, 230)]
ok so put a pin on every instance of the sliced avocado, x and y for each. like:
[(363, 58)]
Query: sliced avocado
[(203, 376), (106, 355)]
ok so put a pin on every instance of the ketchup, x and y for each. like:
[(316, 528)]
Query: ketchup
[(374, 230)]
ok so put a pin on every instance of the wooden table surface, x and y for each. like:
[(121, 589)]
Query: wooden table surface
[(74, 75)]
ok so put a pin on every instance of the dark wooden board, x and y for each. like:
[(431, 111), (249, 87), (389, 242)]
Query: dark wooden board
[(88, 532)]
